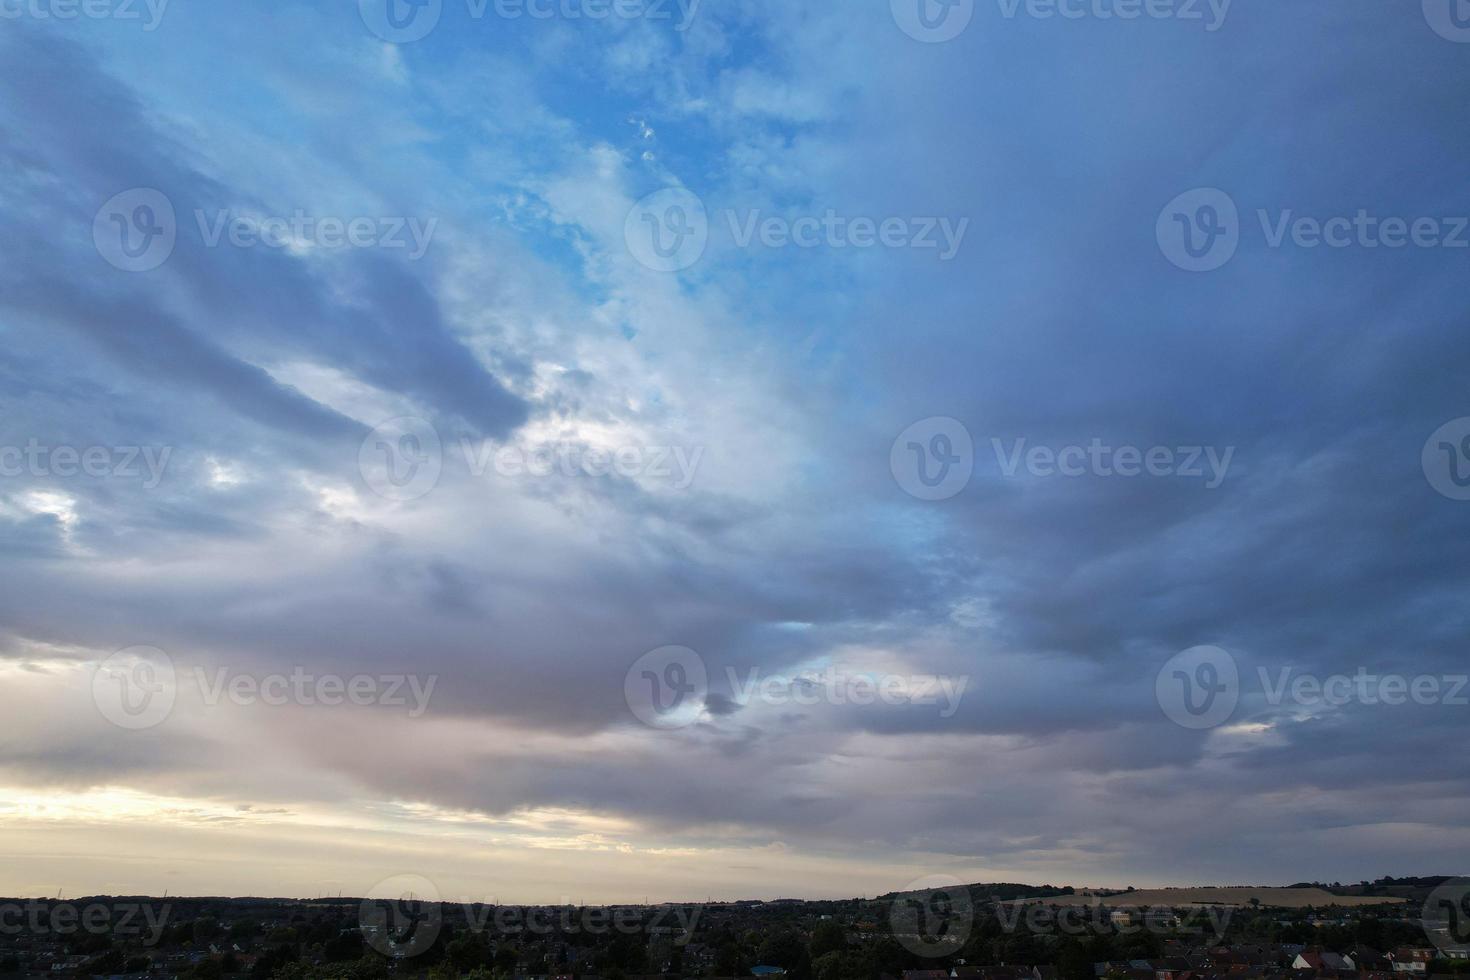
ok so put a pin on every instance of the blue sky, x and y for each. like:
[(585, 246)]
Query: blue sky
[(764, 391)]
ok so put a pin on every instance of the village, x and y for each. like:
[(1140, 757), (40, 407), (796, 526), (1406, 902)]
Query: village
[(1050, 934)]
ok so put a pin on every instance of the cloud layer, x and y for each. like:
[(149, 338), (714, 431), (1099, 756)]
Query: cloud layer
[(755, 396)]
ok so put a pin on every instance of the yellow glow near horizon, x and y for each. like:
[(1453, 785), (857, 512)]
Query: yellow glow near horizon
[(124, 840)]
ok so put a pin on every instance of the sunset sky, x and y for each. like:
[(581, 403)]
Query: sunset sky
[(737, 420)]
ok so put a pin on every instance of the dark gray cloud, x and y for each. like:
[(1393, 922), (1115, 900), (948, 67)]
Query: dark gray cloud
[(792, 550)]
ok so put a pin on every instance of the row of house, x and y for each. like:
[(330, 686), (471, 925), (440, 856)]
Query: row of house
[(1270, 962)]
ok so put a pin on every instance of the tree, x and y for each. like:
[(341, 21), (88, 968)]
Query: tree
[(841, 965), (206, 930), (625, 954), (468, 951), (273, 962), (506, 958), (827, 937), (109, 962), (728, 962), (343, 947), (786, 950)]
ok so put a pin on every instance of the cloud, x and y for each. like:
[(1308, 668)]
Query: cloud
[(528, 326)]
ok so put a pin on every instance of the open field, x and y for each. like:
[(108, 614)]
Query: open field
[(1289, 898)]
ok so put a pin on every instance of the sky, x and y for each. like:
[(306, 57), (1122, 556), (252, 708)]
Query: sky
[(747, 449)]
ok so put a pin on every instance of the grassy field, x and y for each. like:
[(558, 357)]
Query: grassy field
[(1288, 898)]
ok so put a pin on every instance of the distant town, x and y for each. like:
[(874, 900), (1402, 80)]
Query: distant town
[(1391, 929)]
